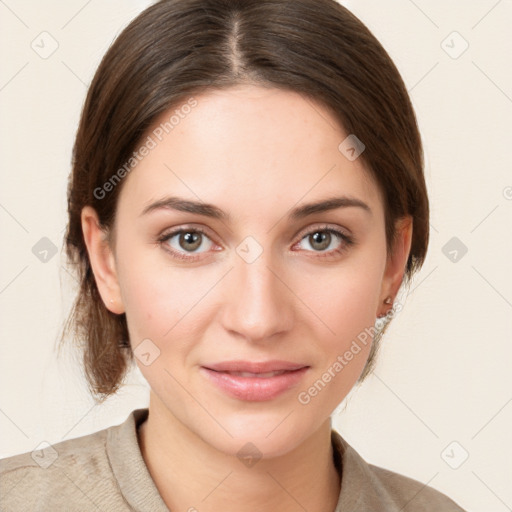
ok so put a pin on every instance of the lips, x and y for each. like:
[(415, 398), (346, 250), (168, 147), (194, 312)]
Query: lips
[(260, 375), (254, 367), (251, 381)]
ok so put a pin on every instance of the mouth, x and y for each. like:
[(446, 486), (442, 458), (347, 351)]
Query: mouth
[(255, 386), (257, 375), (253, 367)]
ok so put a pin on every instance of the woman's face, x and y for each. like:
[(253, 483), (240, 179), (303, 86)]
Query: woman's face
[(258, 283)]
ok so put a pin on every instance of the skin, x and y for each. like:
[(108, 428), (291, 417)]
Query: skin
[(255, 153)]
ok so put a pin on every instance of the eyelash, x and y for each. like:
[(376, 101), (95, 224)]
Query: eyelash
[(347, 240)]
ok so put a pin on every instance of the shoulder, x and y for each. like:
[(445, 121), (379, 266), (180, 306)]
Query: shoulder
[(71, 474), (410, 494), (372, 488), (63, 454)]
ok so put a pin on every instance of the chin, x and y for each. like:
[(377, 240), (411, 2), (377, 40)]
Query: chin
[(266, 434)]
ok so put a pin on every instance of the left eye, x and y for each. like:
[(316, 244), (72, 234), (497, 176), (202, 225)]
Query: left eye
[(324, 240)]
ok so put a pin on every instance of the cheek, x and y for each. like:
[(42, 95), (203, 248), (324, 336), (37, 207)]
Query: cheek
[(162, 302), (347, 309), (344, 299)]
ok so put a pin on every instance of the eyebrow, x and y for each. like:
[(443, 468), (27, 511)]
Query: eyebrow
[(210, 210)]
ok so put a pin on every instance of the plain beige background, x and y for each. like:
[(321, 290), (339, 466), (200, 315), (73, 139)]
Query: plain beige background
[(439, 405)]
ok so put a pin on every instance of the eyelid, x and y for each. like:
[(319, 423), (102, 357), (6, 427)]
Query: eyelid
[(320, 227), (300, 235), (168, 233)]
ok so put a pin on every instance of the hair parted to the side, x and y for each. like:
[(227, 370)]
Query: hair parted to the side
[(179, 48)]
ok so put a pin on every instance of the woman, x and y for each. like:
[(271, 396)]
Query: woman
[(246, 200)]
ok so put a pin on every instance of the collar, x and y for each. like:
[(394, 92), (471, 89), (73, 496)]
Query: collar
[(128, 465)]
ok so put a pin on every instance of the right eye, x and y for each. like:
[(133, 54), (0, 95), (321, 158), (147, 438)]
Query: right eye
[(183, 241)]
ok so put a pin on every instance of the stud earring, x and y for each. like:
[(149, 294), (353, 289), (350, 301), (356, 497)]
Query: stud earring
[(387, 300)]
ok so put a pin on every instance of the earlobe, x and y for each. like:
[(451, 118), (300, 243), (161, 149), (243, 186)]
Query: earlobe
[(396, 261), (102, 260)]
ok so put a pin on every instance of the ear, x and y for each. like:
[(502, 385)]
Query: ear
[(396, 262), (102, 260)]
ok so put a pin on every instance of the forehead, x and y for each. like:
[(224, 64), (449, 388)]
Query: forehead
[(247, 145)]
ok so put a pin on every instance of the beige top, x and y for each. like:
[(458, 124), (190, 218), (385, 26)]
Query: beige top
[(105, 472)]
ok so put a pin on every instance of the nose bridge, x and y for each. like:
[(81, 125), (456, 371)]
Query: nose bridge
[(257, 304)]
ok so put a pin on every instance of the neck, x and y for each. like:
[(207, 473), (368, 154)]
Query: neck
[(191, 474)]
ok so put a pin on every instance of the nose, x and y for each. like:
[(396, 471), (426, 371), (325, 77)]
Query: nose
[(257, 302)]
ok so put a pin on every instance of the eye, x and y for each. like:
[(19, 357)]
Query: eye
[(326, 240), (183, 243), (189, 243)]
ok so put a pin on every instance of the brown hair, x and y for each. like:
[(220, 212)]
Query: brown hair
[(177, 48)]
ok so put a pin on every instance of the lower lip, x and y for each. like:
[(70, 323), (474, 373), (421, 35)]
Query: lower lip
[(256, 389)]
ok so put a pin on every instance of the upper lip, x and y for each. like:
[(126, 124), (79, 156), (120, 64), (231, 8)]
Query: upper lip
[(254, 367)]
